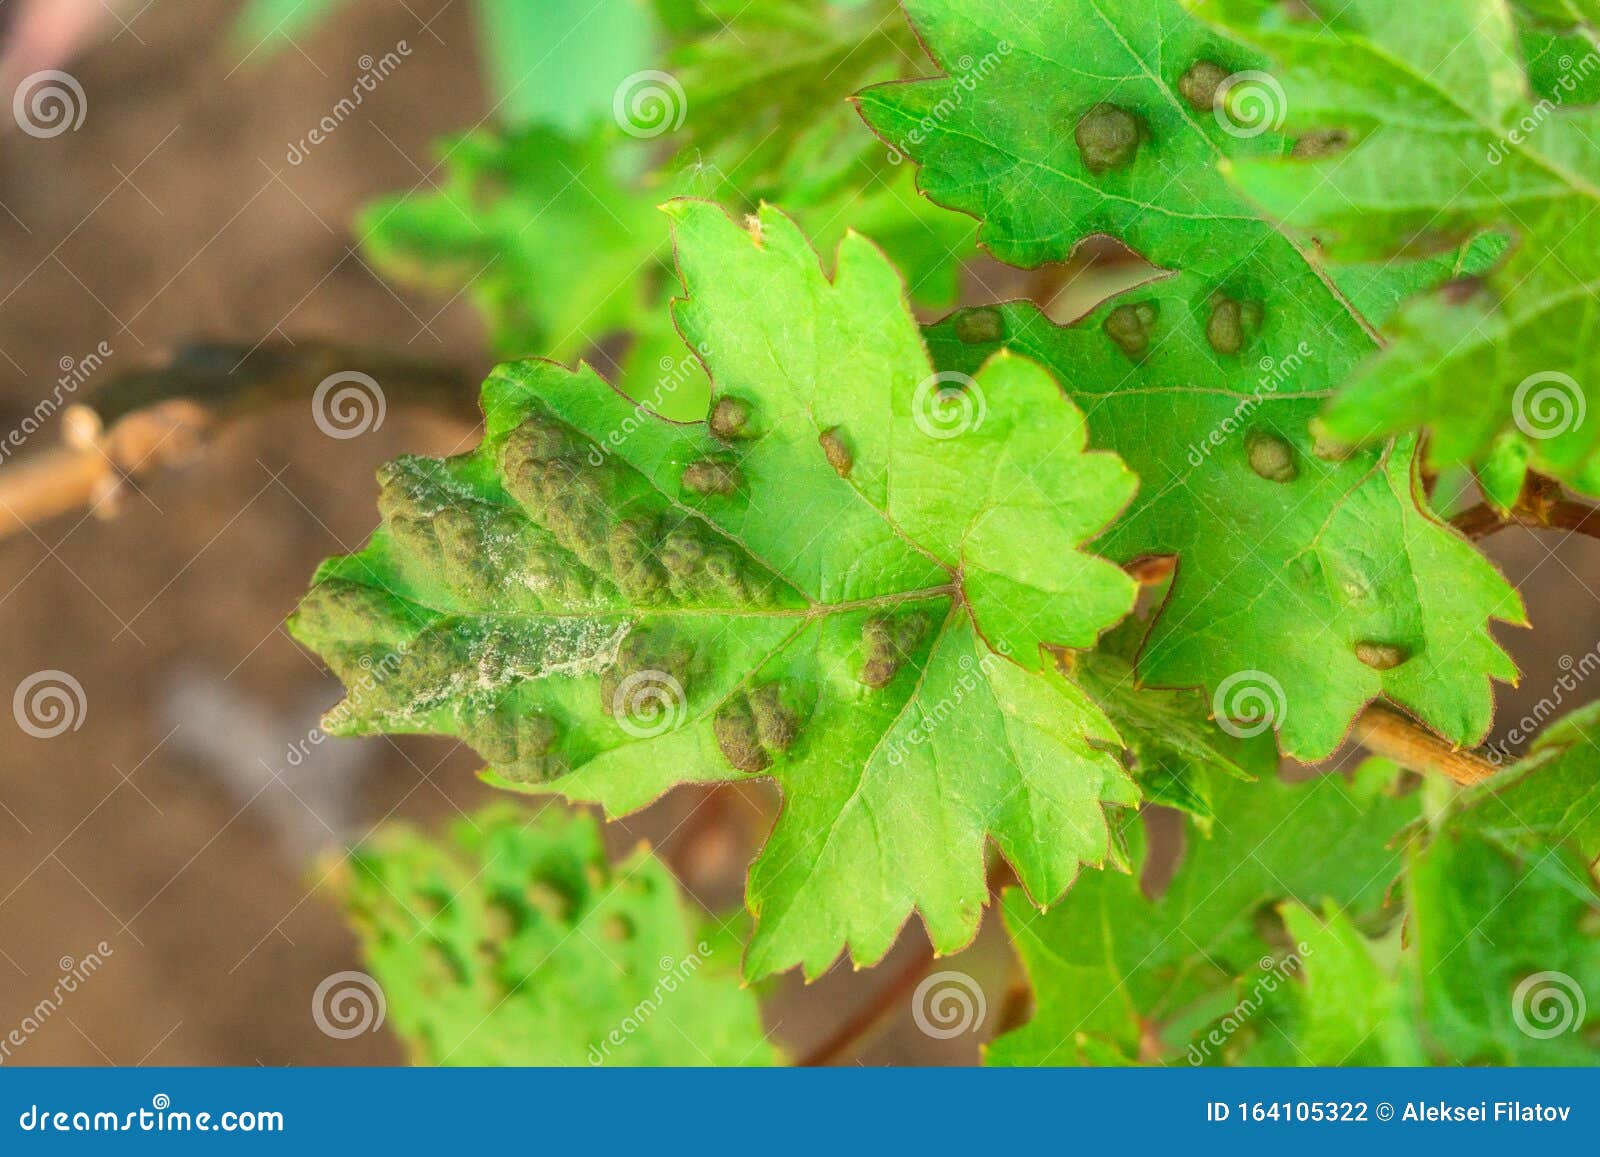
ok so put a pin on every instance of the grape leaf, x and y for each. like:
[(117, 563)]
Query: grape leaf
[(1309, 580), (766, 82), (560, 63), (559, 246), (1497, 956), (1495, 938), (1446, 140), (1174, 749), (513, 941), (843, 579), (1551, 796), (1306, 585), (540, 229), (261, 21), (1563, 13), (1111, 969)]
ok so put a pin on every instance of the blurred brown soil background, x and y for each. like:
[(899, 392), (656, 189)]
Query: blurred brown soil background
[(171, 824)]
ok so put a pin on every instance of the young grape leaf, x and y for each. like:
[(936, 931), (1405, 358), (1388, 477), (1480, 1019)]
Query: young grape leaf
[(1446, 140), (1175, 750), (560, 247), (1111, 969), (1492, 967), (1550, 797), (766, 86), (1504, 954), (539, 228), (560, 63), (844, 578), (270, 24), (1563, 13), (1309, 581), (513, 941)]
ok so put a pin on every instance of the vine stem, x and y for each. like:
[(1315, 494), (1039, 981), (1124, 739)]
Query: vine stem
[(849, 1035), (158, 416), (842, 1040), (1386, 732), (1540, 507)]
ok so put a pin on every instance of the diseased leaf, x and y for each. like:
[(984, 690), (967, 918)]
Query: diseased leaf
[(1309, 580), (1445, 140), (1306, 585), (844, 579), (512, 941), (1111, 969)]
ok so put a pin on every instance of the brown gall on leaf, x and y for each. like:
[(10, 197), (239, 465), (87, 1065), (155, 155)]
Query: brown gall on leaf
[(643, 651), (752, 727), (1381, 656), (734, 726), (980, 327), (545, 470), (1232, 323), (1463, 291), (1326, 447), (1200, 84), (1108, 138), (777, 726), (1321, 143), (631, 558), (521, 748), (730, 418), (887, 642), (1131, 327), (1271, 456), (838, 452), (711, 476)]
